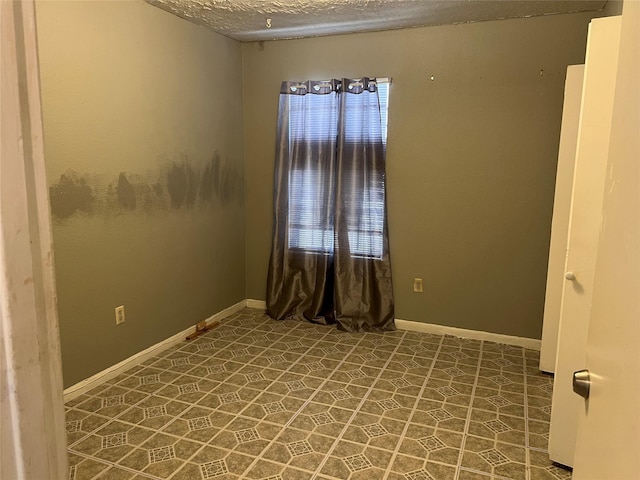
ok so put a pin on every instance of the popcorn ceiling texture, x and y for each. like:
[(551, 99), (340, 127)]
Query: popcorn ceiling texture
[(246, 20)]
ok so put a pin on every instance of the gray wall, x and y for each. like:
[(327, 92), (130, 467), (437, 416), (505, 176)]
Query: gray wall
[(143, 143), (613, 8), (471, 158)]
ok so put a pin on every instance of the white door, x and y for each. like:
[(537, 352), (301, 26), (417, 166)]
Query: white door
[(601, 64), (608, 444), (561, 212)]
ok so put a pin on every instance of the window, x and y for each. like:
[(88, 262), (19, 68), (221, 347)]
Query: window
[(313, 128)]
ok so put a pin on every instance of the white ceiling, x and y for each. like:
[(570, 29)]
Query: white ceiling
[(246, 20)]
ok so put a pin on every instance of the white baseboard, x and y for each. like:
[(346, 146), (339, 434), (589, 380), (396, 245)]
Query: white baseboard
[(115, 370), (95, 380), (260, 304), (412, 326)]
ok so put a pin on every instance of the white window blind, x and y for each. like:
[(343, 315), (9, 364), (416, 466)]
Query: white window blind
[(313, 119)]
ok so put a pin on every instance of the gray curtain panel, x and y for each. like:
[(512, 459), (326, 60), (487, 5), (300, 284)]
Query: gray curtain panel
[(330, 253)]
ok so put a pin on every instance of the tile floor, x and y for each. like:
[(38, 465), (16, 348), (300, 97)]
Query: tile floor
[(260, 399)]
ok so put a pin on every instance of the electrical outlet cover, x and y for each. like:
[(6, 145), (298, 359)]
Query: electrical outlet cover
[(119, 314)]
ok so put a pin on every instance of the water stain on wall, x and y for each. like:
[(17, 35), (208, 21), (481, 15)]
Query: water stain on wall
[(180, 185), (158, 190), (126, 193), (230, 185), (208, 180), (222, 180), (70, 195)]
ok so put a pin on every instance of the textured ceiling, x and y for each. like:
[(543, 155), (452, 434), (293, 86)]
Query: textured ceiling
[(246, 20)]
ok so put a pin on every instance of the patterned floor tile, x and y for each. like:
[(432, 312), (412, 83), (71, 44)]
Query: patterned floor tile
[(78, 424), (292, 400), (496, 458), (356, 461), (411, 468), (85, 468), (499, 400), (543, 469), (494, 426), (432, 444)]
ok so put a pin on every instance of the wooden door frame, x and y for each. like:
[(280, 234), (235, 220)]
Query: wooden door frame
[(32, 437)]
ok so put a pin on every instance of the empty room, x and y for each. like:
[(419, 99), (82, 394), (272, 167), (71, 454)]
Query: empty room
[(326, 240)]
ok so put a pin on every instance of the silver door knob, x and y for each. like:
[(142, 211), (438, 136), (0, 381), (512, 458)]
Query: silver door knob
[(582, 383), (570, 276)]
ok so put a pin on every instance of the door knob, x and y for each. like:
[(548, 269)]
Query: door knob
[(570, 276), (581, 383)]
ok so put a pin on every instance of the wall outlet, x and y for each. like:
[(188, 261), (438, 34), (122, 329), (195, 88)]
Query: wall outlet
[(119, 314), (417, 285)]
